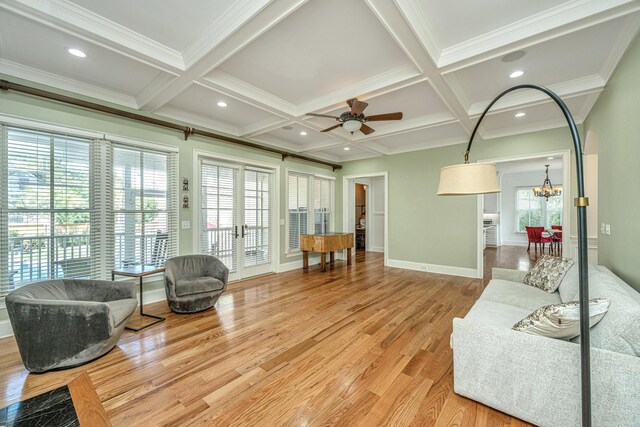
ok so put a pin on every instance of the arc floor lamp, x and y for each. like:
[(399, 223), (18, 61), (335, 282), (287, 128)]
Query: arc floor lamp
[(480, 178)]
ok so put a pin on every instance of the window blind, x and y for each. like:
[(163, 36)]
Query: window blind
[(257, 214), (142, 220), (298, 206), (218, 212), (65, 203), (322, 204), (46, 207)]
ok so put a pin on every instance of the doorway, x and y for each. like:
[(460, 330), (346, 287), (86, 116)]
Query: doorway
[(506, 219), (235, 216), (365, 212)]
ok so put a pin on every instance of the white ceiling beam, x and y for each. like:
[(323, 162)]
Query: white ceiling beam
[(554, 22)]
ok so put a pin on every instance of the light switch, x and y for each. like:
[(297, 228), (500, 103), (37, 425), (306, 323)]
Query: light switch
[(186, 225), (608, 229), (282, 222)]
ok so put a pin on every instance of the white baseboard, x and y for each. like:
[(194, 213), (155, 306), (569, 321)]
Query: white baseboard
[(433, 268), (5, 329), (514, 243)]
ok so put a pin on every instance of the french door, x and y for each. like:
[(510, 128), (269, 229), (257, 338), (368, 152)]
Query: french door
[(236, 216)]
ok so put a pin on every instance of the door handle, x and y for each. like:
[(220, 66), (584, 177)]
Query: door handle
[(243, 234), (236, 231)]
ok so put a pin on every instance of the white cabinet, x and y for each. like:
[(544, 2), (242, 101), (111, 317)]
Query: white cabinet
[(491, 203), (492, 237)]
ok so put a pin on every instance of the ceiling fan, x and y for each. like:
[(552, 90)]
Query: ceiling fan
[(355, 120)]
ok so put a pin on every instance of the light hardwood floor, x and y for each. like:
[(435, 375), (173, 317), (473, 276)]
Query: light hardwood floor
[(365, 345)]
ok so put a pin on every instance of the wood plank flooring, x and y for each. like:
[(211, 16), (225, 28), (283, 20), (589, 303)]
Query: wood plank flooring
[(360, 346)]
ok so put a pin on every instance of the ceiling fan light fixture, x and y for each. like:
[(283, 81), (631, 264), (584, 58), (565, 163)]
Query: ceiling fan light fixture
[(352, 126)]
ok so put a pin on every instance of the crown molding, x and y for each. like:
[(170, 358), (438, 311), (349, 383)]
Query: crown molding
[(420, 27), (98, 29), (243, 91), (192, 119), (526, 98), (626, 37), (67, 84), (157, 85), (560, 20), (375, 83), (455, 140), (556, 122), (225, 25)]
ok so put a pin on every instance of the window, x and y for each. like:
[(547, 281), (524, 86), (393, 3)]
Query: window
[(77, 207), (307, 192), (140, 206), (535, 211)]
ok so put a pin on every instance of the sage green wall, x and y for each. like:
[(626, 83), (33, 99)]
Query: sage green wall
[(38, 109), (428, 229), (614, 122)]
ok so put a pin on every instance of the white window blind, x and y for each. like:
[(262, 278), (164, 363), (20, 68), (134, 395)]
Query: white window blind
[(298, 206), (322, 199), (218, 212), (59, 206), (46, 207), (142, 213), (257, 217)]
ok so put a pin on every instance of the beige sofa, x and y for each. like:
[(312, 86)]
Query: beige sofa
[(537, 379)]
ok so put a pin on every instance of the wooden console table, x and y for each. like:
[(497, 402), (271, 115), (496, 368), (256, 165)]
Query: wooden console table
[(323, 243)]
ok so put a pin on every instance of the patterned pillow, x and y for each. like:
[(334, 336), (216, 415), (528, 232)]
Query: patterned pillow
[(561, 321), (548, 273)]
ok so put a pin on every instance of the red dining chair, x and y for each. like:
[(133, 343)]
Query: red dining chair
[(534, 234), (557, 236)]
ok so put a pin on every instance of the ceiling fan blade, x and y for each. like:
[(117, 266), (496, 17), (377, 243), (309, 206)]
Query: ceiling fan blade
[(331, 128), (322, 115), (387, 116), (350, 102), (366, 129), (357, 107)]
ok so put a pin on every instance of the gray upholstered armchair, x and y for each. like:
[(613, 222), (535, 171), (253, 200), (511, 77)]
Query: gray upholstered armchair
[(68, 322), (194, 282)]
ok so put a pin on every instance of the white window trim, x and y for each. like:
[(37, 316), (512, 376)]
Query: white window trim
[(47, 126), (543, 214), (289, 253)]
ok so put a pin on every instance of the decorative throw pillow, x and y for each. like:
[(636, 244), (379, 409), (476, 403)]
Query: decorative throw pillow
[(548, 272), (561, 321)]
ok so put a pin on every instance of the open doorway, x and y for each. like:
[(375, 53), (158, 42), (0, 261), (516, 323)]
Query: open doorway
[(365, 212), (519, 224)]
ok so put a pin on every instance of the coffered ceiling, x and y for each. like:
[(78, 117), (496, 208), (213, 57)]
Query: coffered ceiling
[(273, 61)]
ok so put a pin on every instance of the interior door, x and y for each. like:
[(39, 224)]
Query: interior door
[(235, 222)]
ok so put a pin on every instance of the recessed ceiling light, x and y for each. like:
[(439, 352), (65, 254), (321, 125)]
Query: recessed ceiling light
[(516, 74), (347, 148), (303, 133), (513, 56), (520, 114), (222, 104), (550, 158), (77, 52)]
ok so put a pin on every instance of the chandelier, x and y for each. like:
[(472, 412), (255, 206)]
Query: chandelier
[(547, 190)]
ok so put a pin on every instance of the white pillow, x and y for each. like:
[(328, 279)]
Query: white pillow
[(561, 321)]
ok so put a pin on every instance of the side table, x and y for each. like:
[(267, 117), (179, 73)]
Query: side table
[(140, 271)]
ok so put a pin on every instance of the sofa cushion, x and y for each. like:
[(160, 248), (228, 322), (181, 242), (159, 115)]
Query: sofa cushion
[(570, 282), (620, 329), (548, 272), (495, 313), (121, 309), (561, 321), (197, 285), (518, 295)]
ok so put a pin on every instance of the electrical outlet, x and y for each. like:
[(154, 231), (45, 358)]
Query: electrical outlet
[(608, 229), (186, 225), (603, 228), (282, 222)]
